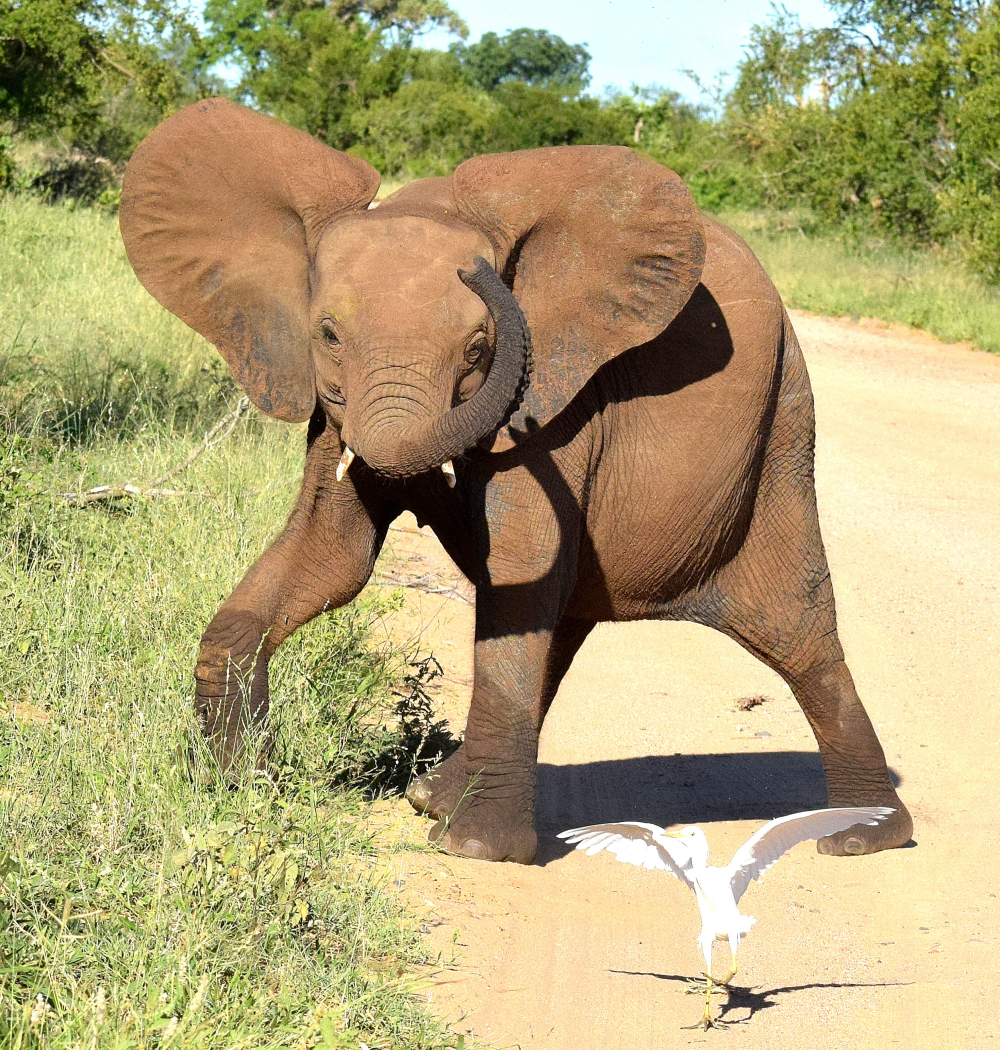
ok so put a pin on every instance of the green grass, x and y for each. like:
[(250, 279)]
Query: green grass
[(84, 350), (839, 275), (139, 907)]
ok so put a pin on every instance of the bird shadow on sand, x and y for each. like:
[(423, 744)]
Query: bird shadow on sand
[(755, 999), (676, 789)]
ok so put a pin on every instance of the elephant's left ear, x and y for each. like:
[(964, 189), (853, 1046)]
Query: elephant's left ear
[(603, 248)]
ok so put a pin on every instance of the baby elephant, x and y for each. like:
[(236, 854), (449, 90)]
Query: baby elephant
[(589, 391)]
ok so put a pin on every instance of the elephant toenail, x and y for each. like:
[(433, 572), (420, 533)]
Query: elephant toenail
[(854, 847), (825, 846), (475, 849)]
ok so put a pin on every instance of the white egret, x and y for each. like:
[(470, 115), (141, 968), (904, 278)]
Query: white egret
[(684, 854)]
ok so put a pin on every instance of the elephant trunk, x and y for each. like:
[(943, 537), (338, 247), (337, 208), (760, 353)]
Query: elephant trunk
[(404, 449)]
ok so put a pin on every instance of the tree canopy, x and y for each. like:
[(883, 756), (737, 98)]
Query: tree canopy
[(530, 56), (58, 57), (883, 121)]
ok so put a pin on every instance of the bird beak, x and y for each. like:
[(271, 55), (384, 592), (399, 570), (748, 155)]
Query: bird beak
[(672, 834)]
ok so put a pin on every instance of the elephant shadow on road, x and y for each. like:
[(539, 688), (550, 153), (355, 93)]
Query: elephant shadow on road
[(676, 789)]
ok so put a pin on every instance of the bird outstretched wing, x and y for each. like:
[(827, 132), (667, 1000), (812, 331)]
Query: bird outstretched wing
[(777, 837), (633, 842)]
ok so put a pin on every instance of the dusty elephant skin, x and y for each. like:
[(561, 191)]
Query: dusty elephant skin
[(659, 464)]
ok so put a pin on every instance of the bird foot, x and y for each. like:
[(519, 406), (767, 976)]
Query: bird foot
[(705, 1023)]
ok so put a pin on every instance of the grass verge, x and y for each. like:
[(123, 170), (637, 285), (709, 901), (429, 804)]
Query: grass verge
[(837, 275), (85, 352), (139, 908)]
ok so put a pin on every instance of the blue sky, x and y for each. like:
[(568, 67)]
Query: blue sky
[(637, 41)]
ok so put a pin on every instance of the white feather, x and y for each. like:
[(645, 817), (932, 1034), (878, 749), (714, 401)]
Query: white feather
[(777, 837), (634, 842)]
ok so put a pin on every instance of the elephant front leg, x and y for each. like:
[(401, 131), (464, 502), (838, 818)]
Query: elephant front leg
[(523, 647), (321, 561), (438, 792), (231, 687), (494, 813), (293, 582)]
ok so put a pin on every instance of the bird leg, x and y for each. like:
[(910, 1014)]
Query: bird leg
[(696, 985), (719, 984), (707, 1021), (706, 940), (724, 982)]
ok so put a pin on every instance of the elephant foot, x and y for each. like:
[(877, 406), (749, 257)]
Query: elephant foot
[(468, 824), (891, 833), (488, 830), (439, 791), (228, 768)]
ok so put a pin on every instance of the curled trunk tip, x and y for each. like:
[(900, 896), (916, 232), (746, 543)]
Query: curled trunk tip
[(413, 448)]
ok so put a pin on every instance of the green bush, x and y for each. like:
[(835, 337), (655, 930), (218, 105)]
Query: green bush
[(426, 128)]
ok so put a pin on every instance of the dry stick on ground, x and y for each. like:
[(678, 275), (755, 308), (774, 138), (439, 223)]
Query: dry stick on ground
[(428, 583), (215, 436)]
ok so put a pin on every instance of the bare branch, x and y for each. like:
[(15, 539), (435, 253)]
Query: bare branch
[(218, 433), (106, 492), (121, 69), (154, 490)]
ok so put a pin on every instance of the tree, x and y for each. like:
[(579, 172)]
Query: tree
[(58, 57), (235, 26), (50, 55), (857, 120), (428, 127), (408, 17), (318, 64), (532, 56), (781, 64), (91, 78)]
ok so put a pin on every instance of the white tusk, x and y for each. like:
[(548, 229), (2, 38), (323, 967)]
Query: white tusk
[(345, 461), (448, 469)]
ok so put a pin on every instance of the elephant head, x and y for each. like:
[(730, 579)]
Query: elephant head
[(409, 323)]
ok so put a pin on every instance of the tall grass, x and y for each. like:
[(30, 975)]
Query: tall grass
[(84, 350), (843, 275), (140, 907)]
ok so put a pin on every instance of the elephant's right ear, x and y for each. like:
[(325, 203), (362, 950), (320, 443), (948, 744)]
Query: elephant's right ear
[(221, 209)]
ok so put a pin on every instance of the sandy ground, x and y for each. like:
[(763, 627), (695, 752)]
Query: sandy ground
[(892, 950)]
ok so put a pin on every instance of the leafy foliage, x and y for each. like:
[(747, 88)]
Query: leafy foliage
[(531, 56), (880, 124), (49, 55), (842, 272), (91, 78), (883, 122)]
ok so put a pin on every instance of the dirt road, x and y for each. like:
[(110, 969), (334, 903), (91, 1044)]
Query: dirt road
[(892, 950)]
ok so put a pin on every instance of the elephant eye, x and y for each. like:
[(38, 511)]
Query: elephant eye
[(328, 333), (476, 350)]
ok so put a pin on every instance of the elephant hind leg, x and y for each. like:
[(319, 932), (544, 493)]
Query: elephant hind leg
[(777, 602), (776, 598)]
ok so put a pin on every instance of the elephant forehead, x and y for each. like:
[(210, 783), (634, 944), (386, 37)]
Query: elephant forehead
[(398, 269)]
